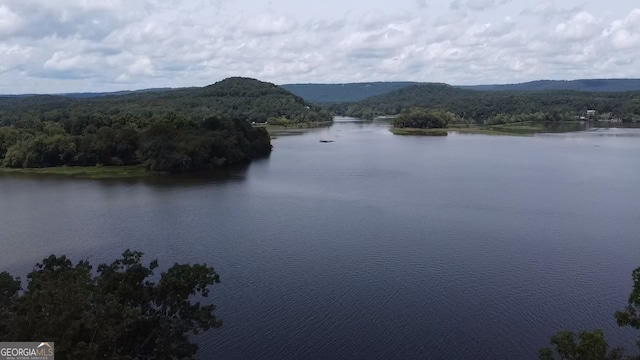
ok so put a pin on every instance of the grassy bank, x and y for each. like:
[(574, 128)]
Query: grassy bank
[(491, 131), (422, 132), (512, 130), (302, 125), (88, 172)]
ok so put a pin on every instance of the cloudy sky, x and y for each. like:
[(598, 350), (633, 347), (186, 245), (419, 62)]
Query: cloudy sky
[(102, 45)]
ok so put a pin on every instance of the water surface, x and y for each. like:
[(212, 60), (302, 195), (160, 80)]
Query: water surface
[(374, 246)]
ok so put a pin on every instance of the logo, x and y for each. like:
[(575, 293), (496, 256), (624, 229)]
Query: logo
[(26, 351)]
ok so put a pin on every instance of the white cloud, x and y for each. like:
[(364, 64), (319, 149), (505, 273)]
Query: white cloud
[(477, 5), (83, 45), (548, 9), (267, 24), (582, 26), (482, 5), (9, 21), (141, 66), (422, 4), (13, 57), (625, 34)]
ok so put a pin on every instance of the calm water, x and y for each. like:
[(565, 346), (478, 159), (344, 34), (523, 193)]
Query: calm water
[(374, 246)]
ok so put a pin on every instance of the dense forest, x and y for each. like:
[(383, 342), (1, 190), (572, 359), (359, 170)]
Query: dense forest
[(172, 130), (350, 92), (419, 118), (481, 106)]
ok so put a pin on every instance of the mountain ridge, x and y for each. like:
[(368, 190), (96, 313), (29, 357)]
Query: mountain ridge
[(332, 93), (320, 93)]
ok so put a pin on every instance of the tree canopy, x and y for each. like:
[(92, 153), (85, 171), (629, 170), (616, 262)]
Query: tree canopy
[(117, 312), (423, 119), (481, 106), (171, 130)]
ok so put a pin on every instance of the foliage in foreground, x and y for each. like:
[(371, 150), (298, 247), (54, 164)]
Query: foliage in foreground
[(593, 345), (117, 313)]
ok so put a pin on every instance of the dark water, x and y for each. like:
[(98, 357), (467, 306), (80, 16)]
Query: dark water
[(374, 246)]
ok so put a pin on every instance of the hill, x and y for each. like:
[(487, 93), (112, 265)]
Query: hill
[(249, 99), (587, 85), (480, 106), (331, 93), (353, 92), (173, 130)]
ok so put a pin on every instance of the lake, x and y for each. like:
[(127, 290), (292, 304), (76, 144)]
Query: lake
[(374, 246)]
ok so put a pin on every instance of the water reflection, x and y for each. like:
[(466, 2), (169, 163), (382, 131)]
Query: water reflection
[(237, 173)]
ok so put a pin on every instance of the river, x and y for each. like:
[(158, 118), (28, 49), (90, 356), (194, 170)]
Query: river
[(374, 246)]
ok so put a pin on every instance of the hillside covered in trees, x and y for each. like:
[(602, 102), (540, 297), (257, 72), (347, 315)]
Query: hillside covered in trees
[(174, 130), (352, 92), (481, 106), (585, 85), (334, 93)]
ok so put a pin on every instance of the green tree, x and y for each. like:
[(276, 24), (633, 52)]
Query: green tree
[(589, 346), (630, 316), (116, 313), (423, 119)]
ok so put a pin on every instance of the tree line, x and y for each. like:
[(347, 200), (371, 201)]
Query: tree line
[(481, 106), (170, 143), (420, 118)]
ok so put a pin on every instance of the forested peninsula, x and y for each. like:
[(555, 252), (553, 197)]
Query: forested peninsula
[(496, 107), (165, 131)]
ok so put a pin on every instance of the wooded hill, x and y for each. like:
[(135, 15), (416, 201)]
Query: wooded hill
[(353, 92), (333, 93), (585, 85), (483, 105), (173, 130)]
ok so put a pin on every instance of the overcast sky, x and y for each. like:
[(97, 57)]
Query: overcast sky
[(102, 45)]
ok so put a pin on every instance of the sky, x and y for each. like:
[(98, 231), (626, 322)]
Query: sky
[(106, 45)]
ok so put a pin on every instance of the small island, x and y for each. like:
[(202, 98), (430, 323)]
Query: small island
[(419, 121), (430, 122)]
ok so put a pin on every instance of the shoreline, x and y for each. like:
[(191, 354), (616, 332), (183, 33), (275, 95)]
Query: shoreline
[(293, 126), (87, 172), (503, 130)]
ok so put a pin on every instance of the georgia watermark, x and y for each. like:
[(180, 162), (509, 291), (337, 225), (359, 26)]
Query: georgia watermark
[(26, 351)]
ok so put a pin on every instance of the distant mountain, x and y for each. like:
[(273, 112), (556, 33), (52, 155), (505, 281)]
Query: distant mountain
[(585, 85), (87, 95), (123, 92), (353, 92), (350, 92)]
